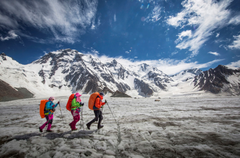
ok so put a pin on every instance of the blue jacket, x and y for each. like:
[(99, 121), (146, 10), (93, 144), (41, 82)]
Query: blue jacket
[(49, 108)]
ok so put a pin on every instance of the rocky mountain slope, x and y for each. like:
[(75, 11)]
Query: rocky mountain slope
[(69, 68), (9, 93), (220, 79), (65, 71)]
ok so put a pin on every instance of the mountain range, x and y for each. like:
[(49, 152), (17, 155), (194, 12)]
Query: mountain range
[(66, 71)]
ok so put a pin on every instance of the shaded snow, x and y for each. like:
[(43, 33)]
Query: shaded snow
[(171, 127)]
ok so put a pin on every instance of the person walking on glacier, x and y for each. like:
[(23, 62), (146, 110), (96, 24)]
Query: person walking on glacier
[(76, 105), (96, 105), (48, 112)]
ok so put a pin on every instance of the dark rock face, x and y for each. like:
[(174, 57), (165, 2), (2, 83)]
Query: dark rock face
[(105, 90), (3, 55), (144, 67), (123, 87), (120, 94), (213, 80), (193, 71), (122, 73), (41, 74), (96, 77), (158, 81), (9, 93), (108, 78), (91, 86), (143, 87)]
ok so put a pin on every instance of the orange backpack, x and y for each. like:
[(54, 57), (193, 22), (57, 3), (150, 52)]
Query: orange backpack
[(42, 107), (69, 103), (92, 99)]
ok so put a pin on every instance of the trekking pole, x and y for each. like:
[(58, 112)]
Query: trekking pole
[(82, 117), (102, 113), (112, 113), (118, 127), (60, 110)]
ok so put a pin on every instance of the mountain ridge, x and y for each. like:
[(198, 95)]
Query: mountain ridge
[(66, 71)]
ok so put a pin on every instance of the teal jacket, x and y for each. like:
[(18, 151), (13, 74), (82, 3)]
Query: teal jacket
[(49, 108)]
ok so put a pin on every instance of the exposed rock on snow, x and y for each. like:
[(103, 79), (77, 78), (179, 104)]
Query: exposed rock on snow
[(120, 94), (216, 80), (9, 93)]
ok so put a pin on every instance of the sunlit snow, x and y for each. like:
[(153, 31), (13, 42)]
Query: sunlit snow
[(133, 127)]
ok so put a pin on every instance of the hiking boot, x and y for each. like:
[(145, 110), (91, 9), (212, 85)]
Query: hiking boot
[(40, 130), (70, 126), (49, 131), (88, 126), (101, 126)]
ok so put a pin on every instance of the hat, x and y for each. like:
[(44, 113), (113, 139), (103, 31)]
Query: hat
[(78, 95), (102, 94), (51, 98)]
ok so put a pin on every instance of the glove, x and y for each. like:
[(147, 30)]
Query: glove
[(81, 103), (54, 110), (105, 101), (58, 102)]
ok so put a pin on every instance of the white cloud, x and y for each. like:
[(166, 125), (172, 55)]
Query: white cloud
[(207, 15), (171, 67), (214, 53), (168, 66), (7, 22), (177, 20), (236, 43), (187, 33), (218, 34), (235, 20), (174, 53), (66, 20), (11, 35), (155, 15), (234, 64)]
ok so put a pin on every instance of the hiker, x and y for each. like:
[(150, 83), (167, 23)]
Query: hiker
[(98, 113), (48, 112), (75, 110)]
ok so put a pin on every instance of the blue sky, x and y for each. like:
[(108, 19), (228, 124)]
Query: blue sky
[(171, 34)]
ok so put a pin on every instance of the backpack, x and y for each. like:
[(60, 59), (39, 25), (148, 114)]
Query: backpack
[(69, 103), (92, 99), (42, 107)]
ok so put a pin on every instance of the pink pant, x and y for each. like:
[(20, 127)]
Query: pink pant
[(76, 118), (49, 119)]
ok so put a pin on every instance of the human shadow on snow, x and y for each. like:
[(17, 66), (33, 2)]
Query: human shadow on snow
[(54, 135)]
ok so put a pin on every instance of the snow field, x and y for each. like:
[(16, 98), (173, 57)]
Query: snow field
[(135, 128)]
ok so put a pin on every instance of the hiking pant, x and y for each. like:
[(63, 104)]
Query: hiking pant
[(49, 119), (98, 115), (76, 118)]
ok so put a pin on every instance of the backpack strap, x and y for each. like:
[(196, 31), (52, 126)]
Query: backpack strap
[(94, 107)]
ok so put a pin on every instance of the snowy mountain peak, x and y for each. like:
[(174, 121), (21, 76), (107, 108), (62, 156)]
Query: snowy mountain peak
[(187, 74), (67, 71), (6, 61), (144, 67), (220, 79), (3, 56)]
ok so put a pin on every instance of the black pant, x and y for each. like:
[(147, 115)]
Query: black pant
[(98, 115)]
